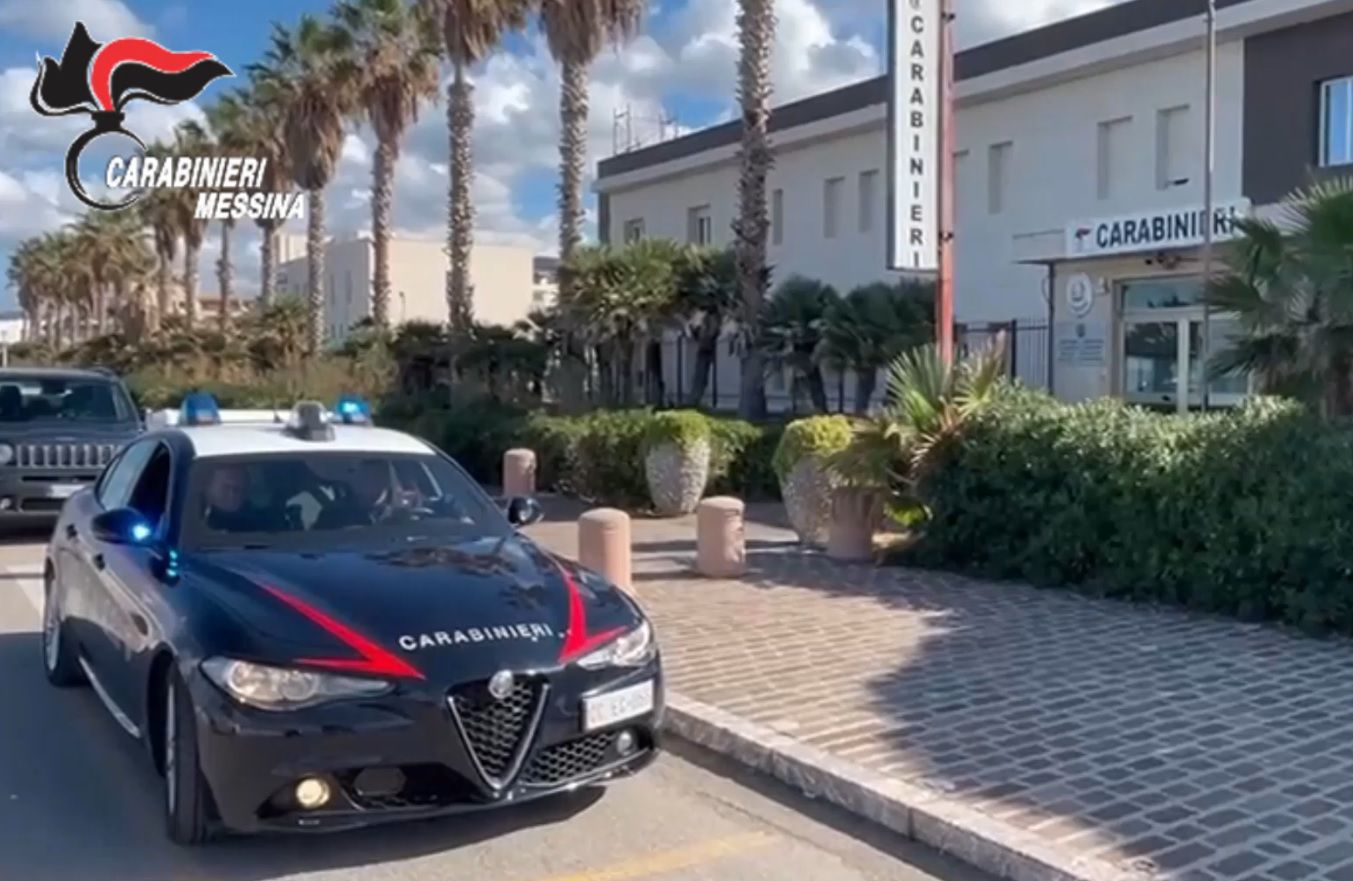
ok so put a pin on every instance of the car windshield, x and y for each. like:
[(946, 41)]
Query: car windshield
[(333, 500), (42, 400)]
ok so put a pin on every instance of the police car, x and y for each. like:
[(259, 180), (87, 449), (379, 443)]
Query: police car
[(311, 623)]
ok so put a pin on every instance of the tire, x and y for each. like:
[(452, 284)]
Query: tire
[(186, 803), (60, 656)]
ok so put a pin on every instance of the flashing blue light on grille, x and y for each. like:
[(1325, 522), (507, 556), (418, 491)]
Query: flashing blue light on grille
[(200, 408), (352, 410)]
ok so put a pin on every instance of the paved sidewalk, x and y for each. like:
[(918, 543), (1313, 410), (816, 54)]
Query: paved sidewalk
[(1151, 742)]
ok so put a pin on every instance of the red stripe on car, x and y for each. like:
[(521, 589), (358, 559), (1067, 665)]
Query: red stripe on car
[(576, 641), (374, 659)]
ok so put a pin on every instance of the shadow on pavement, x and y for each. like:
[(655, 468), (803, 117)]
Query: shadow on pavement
[(79, 801), (23, 533)]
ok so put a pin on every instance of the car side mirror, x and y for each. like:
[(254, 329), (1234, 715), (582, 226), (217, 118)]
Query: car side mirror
[(524, 511), (123, 526)]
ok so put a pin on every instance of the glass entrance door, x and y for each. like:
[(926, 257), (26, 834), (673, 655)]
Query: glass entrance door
[(1162, 330)]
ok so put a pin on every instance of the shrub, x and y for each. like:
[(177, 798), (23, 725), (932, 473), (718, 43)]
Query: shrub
[(685, 428), (814, 436), (610, 458), (740, 463), (1243, 513)]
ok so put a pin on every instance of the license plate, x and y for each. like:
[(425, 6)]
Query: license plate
[(64, 490), (617, 706)]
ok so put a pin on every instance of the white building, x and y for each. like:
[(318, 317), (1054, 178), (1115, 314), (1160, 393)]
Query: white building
[(503, 278), (1079, 169)]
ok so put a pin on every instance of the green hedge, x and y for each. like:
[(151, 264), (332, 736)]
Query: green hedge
[(1247, 513), (598, 456)]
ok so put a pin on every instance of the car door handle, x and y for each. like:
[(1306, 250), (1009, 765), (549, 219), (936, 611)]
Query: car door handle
[(141, 626), (99, 562), (71, 531)]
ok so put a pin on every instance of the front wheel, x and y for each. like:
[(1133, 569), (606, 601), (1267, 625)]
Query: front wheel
[(185, 792), (59, 659)]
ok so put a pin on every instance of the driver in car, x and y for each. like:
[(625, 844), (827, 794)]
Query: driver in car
[(370, 500), (228, 505)]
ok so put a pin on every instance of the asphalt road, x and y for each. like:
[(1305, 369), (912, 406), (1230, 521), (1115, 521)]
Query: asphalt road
[(79, 803)]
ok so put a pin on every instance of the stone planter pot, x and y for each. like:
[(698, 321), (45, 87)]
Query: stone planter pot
[(677, 477), (856, 515), (807, 492)]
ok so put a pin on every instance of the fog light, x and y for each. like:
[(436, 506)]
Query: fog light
[(312, 793), (625, 743)]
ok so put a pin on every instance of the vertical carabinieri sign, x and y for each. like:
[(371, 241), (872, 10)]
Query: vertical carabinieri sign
[(914, 134)]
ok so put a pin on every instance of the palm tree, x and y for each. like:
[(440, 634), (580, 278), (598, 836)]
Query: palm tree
[(874, 324), (312, 73), (576, 31), (1290, 288), (756, 31), (470, 30), (95, 244), (397, 50), (707, 299), (160, 213), (790, 334), (229, 122), (265, 124), (25, 279), (190, 139)]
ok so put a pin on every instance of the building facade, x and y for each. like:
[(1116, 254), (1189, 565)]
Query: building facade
[(503, 278), (1079, 181)]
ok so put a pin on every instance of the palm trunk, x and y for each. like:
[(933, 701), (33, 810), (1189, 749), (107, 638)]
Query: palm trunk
[(756, 23), (125, 309), (460, 210), (190, 260), (382, 198), (572, 156), (100, 308), (162, 277), (656, 391), (866, 379), (54, 327), (626, 363), (267, 283), (225, 275), (817, 388), (314, 255)]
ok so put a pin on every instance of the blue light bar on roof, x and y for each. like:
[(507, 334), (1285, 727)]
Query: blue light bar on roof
[(352, 410), (199, 408)]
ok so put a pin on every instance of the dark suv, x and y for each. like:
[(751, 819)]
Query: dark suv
[(58, 428)]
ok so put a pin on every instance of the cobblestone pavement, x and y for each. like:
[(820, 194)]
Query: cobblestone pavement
[(1176, 746)]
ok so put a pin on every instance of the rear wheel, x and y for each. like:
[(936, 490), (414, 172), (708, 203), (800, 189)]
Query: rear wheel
[(59, 659), (185, 792)]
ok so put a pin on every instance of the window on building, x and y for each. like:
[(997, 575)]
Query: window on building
[(1162, 329), (777, 217), (869, 185), (1174, 147), (1336, 122), (634, 230), (1113, 155), (831, 206), (699, 226), (998, 174), (963, 182)]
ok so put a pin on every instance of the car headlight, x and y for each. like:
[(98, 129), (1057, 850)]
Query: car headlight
[(634, 649), (281, 688), (6, 454)]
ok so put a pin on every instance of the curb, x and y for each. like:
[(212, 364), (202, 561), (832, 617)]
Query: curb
[(935, 820)]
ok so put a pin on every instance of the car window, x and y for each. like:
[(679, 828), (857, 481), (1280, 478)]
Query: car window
[(43, 399), (332, 499), (150, 494), (115, 486)]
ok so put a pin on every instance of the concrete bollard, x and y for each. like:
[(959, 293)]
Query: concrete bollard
[(720, 538), (519, 473), (604, 545)]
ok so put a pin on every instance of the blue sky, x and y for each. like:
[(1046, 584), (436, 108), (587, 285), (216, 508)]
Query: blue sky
[(681, 67)]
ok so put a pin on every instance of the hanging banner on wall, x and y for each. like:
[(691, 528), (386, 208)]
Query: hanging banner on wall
[(913, 134)]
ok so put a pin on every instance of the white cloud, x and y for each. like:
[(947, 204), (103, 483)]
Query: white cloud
[(54, 19), (993, 19)]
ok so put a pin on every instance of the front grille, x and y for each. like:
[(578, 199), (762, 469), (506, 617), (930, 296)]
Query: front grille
[(498, 732), (73, 456), (570, 761)]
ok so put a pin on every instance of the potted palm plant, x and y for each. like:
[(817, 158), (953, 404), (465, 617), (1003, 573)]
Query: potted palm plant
[(805, 482), (677, 447), (890, 455)]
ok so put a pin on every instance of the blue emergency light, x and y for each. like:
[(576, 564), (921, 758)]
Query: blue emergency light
[(352, 410), (199, 408)]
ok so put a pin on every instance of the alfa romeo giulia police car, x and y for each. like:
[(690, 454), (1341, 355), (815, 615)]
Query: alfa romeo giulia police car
[(315, 624)]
